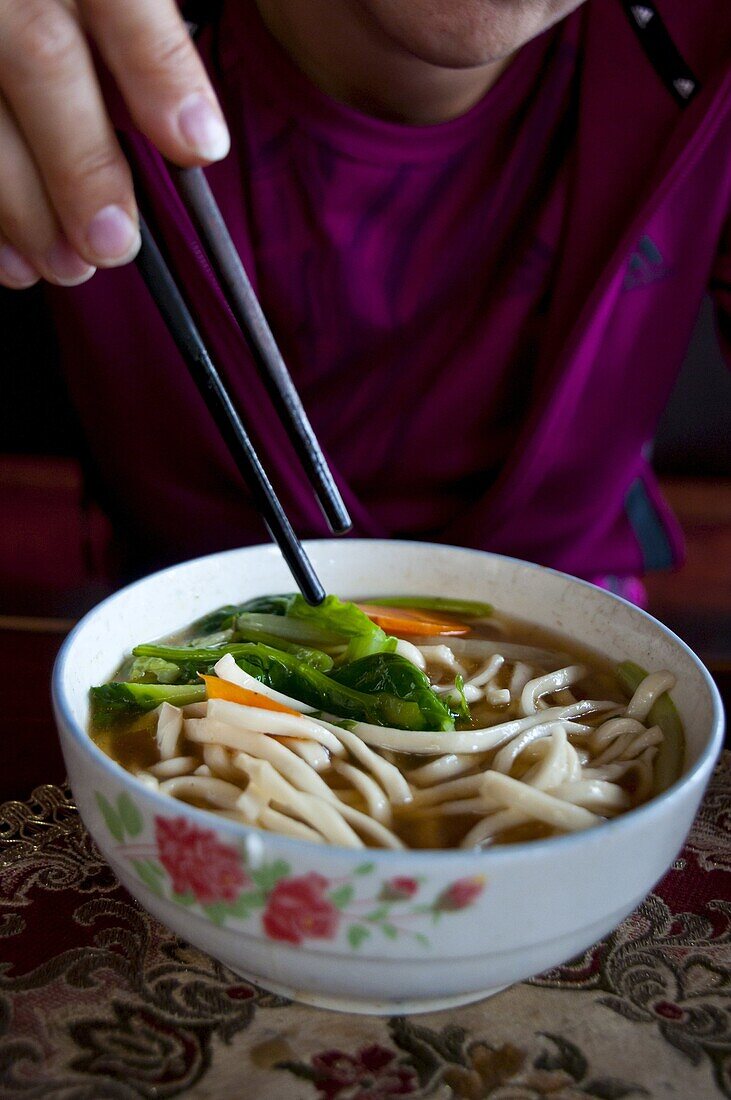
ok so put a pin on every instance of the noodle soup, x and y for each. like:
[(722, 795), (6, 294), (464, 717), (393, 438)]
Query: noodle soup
[(401, 722)]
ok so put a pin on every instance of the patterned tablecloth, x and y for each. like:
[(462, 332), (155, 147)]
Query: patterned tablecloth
[(99, 1000)]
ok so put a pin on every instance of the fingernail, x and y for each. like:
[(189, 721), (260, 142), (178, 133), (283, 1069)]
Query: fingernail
[(203, 128), (16, 268), (67, 267), (112, 235)]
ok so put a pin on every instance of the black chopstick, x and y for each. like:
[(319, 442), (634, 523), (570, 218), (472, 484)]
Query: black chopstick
[(183, 329), (208, 220)]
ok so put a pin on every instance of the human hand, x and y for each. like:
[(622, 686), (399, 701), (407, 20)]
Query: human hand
[(66, 199)]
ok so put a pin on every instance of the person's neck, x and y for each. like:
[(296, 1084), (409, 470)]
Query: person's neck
[(349, 57)]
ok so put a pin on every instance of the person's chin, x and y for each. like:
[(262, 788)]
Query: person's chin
[(462, 57), (463, 48), (465, 34)]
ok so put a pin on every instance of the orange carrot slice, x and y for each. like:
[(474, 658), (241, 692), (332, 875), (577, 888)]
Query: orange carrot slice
[(216, 688), (397, 620)]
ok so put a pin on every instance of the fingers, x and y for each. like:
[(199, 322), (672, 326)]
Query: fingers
[(15, 271), (31, 239), (50, 85), (160, 74), (66, 198)]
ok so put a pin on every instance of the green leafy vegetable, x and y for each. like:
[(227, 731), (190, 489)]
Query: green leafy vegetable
[(221, 619), (465, 609), (314, 657), (347, 620), (224, 618), (671, 751), (286, 674), (390, 674), (153, 670), (117, 700), (289, 617), (457, 702), (294, 631), (203, 659)]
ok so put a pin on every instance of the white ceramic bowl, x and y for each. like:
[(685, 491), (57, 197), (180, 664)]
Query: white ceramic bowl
[(377, 931)]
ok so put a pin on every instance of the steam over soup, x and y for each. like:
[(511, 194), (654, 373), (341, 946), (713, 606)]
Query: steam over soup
[(400, 722)]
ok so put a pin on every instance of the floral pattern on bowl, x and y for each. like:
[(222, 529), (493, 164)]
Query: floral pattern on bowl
[(194, 868)]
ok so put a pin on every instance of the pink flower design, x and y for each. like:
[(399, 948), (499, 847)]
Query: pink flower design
[(460, 894), (297, 909), (399, 889), (197, 862), (372, 1073)]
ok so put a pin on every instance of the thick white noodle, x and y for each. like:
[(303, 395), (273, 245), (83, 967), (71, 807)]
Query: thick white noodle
[(315, 812), (374, 829), (148, 780), (288, 826), (549, 682), (513, 794), (275, 723), (653, 736), (560, 763), (475, 687), (218, 760), (412, 653), (286, 762), (647, 694), (378, 805), (289, 767), (609, 731), (505, 758), (313, 752), (614, 750), (645, 774), (471, 693), (628, 745), (465, 787), (497, 697), (387, 774), (227, 669), (442, 767), (594, 794), (522, 673), (169, 728), (203, 770), (492, 826), (326, 817), (217, 792), (488, 671), (605, 798), (428, 743), (172, 766), (442, 656)]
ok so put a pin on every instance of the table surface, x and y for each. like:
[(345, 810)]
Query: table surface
[(98, 1000)]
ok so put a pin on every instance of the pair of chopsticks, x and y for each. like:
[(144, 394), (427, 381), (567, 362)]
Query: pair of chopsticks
[(206, 216)]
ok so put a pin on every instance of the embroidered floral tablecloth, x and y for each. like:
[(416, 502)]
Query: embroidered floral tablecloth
[(98, 1000)]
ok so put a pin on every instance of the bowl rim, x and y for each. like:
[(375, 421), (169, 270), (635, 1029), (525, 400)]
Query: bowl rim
[(530, 849)]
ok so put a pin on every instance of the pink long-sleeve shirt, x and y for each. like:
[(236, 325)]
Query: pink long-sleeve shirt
[(484, 318)]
